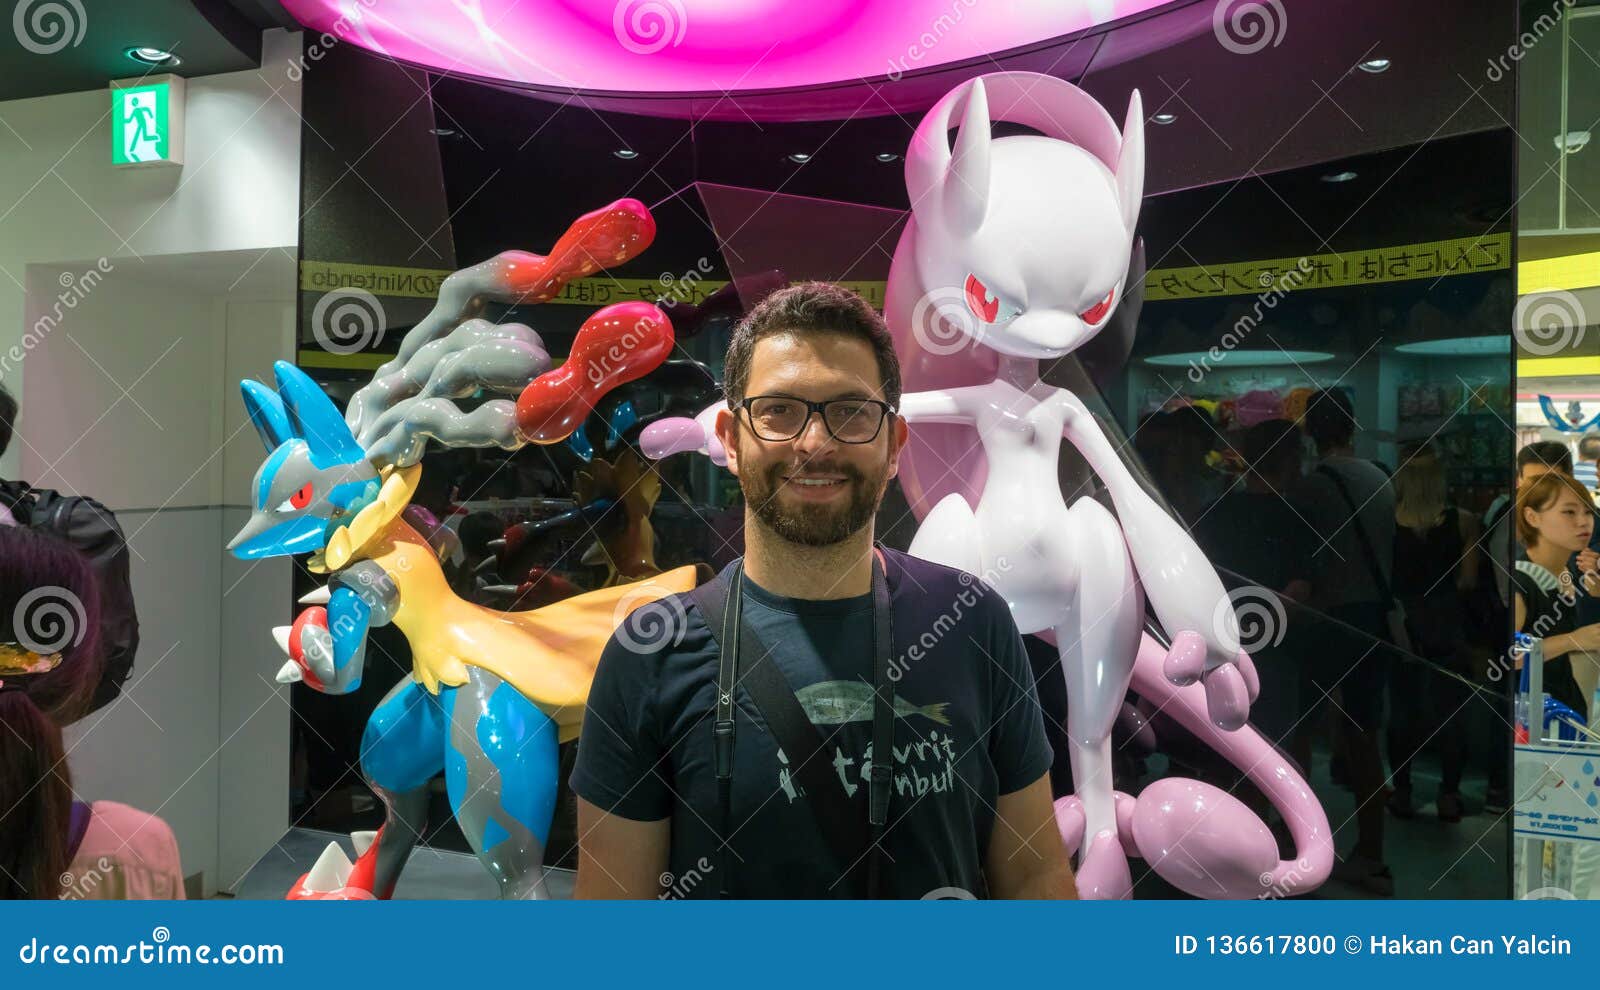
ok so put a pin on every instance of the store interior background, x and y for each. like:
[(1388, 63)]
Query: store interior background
[(789, 184), (158, 290), (351, 158)]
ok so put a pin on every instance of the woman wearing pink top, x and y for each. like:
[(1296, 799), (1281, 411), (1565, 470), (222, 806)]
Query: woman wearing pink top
[(52, 846)]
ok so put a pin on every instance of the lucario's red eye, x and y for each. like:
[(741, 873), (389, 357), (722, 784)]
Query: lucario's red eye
[(301, 498), (1094, 314)]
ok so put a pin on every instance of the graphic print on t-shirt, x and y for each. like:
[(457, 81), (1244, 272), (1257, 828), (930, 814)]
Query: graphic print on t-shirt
[(927, 764), (837, 702)]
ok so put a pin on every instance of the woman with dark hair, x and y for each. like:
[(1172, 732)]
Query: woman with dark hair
[(52, 846), (1555, 518)]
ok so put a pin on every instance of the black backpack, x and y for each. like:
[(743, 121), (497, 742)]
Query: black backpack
[(92, 530)]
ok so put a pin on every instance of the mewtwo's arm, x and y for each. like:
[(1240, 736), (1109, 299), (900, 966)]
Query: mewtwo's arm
[(1179, 582), (940, 405)]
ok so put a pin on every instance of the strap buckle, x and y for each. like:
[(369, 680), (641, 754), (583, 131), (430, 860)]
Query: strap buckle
[(722, 732), (879, 779)]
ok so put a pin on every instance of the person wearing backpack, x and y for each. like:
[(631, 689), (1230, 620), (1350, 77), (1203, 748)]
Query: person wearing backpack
[(53, 846), (1350, 503), (92, 529)]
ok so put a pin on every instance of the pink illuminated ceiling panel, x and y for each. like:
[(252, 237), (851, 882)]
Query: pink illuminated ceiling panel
[(696, 46)]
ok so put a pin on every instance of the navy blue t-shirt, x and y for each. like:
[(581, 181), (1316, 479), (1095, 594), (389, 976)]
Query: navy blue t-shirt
[(968, 729)]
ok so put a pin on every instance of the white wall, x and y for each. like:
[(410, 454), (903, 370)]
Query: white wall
[(131, 395)]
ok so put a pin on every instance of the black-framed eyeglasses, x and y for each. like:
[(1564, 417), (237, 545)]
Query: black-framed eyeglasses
[(783, 417)]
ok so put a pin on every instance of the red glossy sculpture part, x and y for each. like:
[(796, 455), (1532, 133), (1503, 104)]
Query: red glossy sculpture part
[(317, 616), (599, 239), (618, 344)]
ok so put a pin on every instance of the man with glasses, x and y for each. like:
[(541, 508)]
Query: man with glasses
[(812, 383)]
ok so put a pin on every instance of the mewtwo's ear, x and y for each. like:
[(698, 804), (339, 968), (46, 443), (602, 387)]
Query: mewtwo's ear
[(266, 413), (966, 188), (1130, 163), (952, 190)]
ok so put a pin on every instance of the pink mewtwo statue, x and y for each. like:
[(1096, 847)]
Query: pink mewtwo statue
[(1017, 251)]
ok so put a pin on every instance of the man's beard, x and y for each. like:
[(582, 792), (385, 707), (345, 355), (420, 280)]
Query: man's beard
[(813, 525)]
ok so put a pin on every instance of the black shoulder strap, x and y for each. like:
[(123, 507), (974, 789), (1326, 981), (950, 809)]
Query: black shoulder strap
[(843, 827), (1361, 535)]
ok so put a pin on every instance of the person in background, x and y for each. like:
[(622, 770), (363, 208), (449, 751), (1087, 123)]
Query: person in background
[(1173, 447), (1433, 569), (1350, 503), (1254, 532), (52, 846), (1555, 519), (1537, 458), (1585, 470), (1492, 614)]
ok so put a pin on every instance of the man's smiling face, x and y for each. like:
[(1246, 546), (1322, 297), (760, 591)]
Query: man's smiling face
[(813, 490)]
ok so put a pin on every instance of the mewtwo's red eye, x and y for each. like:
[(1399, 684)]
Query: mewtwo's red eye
[(983, 305), (1094, 314), (301, 498)]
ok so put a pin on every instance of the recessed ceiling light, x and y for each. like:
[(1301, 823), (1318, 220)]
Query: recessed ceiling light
[(1344, 176), (1163, 117), (152, 56), (442, 131), (800, 157), (888, 156), (626, 154), (1373, 65)]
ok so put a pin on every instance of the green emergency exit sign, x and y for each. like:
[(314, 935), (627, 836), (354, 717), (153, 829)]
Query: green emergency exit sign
[(147, 121)]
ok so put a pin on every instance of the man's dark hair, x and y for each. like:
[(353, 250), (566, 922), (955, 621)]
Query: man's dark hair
[(1330, 419), (803, 309), (1550, 453), (1271, 447), (1589, 447), (8, 418)]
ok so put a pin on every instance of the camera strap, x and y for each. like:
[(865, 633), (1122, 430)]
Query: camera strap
[(745, 662)]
